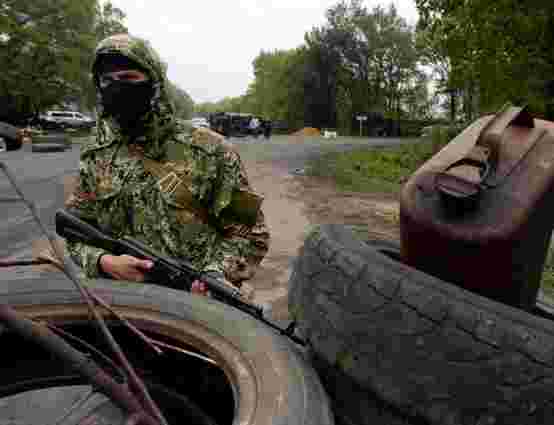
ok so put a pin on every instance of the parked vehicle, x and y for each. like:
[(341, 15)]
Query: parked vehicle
[(52, 142), (233, 124), (200, 122), (280, 127), (65, 119), (10, 137)]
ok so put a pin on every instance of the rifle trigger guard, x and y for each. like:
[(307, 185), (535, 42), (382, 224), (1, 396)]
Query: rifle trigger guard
[(290, 328)]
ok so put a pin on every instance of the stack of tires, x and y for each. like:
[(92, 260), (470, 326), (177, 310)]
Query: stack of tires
[(272, 381), (394, 345), (52, 142)]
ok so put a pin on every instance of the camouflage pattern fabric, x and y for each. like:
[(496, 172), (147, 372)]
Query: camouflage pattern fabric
[(185, 195)]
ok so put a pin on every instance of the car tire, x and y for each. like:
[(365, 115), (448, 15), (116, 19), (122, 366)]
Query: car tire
[(60, 138), (423, 347), (273, 382), (3, 145), (54, 142), (48, 147)]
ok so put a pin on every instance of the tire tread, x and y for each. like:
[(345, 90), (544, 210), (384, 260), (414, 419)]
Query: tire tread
[(420, 344)]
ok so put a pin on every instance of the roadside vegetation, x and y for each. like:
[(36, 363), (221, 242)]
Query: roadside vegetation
[(548, 274), (381, 170), (46, 50)]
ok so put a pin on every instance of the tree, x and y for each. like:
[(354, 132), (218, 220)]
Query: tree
[(373, 57), (182, 101), (227, 104), (109, 21), (358, 61), (46, 49), (320, 81), (489, 64), (277, 91)]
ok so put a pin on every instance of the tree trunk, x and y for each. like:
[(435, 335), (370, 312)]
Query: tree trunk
[(452, 106)]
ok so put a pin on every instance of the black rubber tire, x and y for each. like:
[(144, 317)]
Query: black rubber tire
[(48, 147), (435, 352), (285, 388), (15, 145), (7, 145), (8, 131), (52, 138), (9, 134)]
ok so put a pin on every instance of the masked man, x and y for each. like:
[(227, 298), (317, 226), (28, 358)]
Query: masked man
[(147, 177)]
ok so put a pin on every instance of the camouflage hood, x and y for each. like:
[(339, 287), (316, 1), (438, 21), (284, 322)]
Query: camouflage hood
[(158, 125)]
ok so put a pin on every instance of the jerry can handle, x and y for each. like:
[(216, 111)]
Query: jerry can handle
[(484, 155), (491, 135), (456, 188)]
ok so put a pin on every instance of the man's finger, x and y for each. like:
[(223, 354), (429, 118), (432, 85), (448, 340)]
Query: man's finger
[(198, 287), (139, 277), (132, 275), (144, 264)]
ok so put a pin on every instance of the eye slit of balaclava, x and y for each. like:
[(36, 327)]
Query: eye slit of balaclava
[(125, 100), (111, 62)]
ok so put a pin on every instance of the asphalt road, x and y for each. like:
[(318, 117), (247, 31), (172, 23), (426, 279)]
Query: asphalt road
[(41, 177)]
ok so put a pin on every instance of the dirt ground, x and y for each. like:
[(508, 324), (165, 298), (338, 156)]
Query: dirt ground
[(293, 206)]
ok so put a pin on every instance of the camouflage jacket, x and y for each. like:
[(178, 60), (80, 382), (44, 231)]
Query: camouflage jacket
[(196, 204), (185, 194)]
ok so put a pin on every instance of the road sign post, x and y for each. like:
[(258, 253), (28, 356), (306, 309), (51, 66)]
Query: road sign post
[(361, 119)]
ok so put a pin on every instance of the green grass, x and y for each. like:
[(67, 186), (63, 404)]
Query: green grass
[(376, 169), (547, 282)]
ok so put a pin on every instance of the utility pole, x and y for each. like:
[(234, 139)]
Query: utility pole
[(361, 119)]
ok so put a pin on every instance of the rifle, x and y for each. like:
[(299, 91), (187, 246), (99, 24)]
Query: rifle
[(176, 274)]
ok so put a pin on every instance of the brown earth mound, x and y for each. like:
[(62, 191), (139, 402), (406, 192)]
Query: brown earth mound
[(307, 131)]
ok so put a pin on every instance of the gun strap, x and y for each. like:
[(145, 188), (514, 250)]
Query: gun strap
[(170, 183), (243, 208)]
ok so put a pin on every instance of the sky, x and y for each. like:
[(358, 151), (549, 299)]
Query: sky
[(209, 45)]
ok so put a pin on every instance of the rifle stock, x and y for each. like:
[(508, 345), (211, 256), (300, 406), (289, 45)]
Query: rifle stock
[(177, 274)]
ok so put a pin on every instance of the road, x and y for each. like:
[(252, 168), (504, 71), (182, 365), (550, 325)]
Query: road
[(41, 176)]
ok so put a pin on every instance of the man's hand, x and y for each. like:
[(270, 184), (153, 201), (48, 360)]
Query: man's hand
[(125, 267), (198, 287)]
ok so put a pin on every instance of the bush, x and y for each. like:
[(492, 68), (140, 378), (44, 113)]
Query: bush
[(548, 272), (382, 169), (367, 170), (441, 135)]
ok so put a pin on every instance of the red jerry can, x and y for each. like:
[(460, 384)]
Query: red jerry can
[(480, 212)]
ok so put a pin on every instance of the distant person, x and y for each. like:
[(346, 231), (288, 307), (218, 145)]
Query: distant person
[(267, 129), (253, 126), (183, 193)]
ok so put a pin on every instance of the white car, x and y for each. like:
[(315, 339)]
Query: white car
[(62, 119), (200, 122)]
